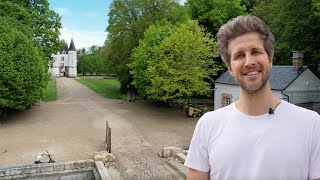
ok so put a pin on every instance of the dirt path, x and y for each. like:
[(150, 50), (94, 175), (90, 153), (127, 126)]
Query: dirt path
[(73, 127)]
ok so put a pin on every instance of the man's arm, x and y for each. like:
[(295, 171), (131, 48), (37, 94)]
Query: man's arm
[(193, 174)]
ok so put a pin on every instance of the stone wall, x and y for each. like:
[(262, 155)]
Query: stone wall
[(81, 170)]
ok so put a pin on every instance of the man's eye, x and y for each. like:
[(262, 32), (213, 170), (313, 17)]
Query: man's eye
[(256, 52), (239, 56)]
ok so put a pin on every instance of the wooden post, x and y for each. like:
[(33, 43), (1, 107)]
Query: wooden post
[(108, 137)]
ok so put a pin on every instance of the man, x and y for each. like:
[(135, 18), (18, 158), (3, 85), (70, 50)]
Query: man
[(258, 137)]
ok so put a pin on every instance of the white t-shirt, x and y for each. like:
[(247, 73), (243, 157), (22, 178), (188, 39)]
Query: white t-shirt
[(232, 145)]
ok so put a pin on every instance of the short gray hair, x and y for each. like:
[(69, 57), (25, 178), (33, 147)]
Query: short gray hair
[(239, 26)]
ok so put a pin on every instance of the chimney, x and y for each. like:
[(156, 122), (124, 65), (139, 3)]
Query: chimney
[(297, 60)]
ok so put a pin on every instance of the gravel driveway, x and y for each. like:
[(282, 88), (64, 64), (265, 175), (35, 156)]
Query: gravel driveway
[(73, 127)]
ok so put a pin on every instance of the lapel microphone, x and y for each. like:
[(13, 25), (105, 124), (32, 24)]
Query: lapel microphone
[(271, 111)]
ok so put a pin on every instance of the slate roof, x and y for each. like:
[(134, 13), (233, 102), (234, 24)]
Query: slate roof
[(72, 47), (280, 77), (64, 48)]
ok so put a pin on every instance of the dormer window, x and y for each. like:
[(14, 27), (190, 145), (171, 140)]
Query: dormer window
[(63, 52)]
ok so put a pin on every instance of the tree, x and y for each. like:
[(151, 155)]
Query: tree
[(248, 4), (91, 63), (213, 13), (180, 64), (147, 51), (22, 74), (45, 25), (296, 27), (128, 19)]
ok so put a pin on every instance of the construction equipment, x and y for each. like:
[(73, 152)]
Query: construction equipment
[(194, 112)]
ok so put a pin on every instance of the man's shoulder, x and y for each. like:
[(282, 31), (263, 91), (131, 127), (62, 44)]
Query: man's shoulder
[(217, 115), (292, 110), (221, 111)]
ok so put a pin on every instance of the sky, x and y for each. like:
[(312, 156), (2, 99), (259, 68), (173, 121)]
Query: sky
[(83, 20)]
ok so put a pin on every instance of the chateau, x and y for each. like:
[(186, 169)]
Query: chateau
[(65, 62)]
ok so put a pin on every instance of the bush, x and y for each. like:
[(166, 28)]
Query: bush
[(22, 74)]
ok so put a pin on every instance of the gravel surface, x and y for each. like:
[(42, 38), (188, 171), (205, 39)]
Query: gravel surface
[(73, 127)]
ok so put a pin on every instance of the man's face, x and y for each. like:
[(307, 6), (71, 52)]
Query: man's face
[(249, 64)]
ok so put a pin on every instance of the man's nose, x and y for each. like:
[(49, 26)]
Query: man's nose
[(250, 60)]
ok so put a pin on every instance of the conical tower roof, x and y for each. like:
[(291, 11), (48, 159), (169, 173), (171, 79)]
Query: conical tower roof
[(72, 47), (64, 48)]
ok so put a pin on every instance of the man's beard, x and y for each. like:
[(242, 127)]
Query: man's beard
[(250, 88)]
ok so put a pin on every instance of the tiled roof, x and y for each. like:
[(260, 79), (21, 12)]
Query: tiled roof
[(280, 77)]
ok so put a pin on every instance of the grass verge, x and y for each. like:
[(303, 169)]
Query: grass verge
[(109, 88), (51, 91)]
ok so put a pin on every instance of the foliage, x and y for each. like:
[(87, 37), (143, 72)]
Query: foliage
[(296, 27), (146, 52), (109, 88), (14, 11), (22, 75), (248, 4), (51, 91), (213, 13), (45, 24), (128, 19), (91, 63), (177, 62)]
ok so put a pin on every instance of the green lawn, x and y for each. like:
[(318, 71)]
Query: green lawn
[(109, 88), (51, 91)]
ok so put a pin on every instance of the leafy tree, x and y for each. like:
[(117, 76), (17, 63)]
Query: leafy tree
[(248, 4), (180, 64), (296, 27), (94, 49), (22, 74), (45, 25), (128, 19), (213, 13), (147, 51), (91, 63), (17, 12), (81, 51)]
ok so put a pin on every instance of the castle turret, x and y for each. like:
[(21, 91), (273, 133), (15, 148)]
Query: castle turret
[(72, 64)]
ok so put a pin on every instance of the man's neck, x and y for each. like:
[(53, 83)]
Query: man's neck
[(258, 103)]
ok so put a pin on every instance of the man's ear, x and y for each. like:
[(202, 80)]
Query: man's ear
[(229, 68), (270, 59)]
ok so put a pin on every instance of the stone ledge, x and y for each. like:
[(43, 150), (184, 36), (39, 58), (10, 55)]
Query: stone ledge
[(46, 169), (102, 171), (180, 168), (181, 157)]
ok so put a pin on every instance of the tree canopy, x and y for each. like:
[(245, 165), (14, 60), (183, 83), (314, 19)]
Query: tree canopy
[(295, 25), (45, 24), (22, 74), (171, 64), (213, 13), (91, 62), (128, 20)]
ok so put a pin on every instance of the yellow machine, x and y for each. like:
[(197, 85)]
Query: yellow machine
[(194, 112)]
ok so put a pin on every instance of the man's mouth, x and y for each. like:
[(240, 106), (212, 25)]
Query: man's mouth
[(252, 73)]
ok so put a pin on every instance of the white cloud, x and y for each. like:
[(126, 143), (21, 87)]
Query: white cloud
[(83, 39), (63, 11)]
